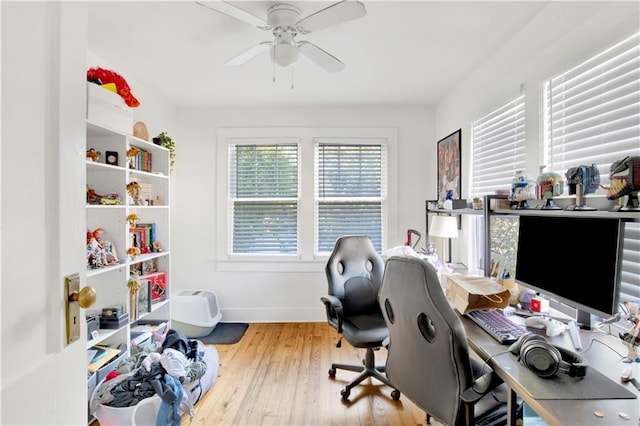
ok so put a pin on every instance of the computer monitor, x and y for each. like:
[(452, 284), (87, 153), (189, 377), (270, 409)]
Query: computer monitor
[(574, 260)]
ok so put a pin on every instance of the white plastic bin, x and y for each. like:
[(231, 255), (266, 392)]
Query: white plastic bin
[(195, 312), (142, 414)]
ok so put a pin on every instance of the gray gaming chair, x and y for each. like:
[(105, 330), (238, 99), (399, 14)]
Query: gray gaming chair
[(354, 274), (428, 359)]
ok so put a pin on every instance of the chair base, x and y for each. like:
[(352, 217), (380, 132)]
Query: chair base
[(368, 369)]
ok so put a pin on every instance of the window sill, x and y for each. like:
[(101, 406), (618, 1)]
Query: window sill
[(259, 264)]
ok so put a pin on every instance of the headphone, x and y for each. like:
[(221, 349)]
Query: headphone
[(545, 359)]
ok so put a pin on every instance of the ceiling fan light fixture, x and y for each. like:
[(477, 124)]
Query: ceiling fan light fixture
[(285, 21), (284, 54)]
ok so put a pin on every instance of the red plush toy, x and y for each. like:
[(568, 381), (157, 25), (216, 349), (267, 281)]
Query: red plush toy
[(107, 76)]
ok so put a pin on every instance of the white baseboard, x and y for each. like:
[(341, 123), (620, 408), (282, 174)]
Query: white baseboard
[(274, 315)]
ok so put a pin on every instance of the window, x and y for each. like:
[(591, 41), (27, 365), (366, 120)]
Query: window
[(350, 191), (592, 112), (264, 193), (592, 116), (498, 141), (285, 194)]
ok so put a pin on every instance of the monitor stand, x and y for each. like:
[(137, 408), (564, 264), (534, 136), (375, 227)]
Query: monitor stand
[(583, 319)]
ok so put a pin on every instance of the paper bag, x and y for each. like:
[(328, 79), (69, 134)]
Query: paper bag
[(473, 293)]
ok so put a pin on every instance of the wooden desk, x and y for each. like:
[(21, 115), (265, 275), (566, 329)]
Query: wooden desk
[(565, 412)]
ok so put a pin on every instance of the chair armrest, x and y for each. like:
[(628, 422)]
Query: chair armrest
[(480, 387), (333, 307)]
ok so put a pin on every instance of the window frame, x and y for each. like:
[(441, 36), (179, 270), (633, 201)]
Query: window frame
[(306, 260), (382, 198)]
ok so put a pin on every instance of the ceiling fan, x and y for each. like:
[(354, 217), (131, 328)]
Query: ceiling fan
[(285, 22)]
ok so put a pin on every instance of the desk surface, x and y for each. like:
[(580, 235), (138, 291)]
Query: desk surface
[(566, 412)]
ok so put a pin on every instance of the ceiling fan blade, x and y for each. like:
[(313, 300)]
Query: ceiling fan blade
[(337, 13), (249, 54), (234, 12), (325, 59)]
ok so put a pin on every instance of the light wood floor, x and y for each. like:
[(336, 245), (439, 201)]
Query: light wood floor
[(278, 375)]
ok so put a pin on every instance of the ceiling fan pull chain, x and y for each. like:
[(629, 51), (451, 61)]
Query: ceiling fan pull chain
[(292, 68), (274, 62), (274, 65)]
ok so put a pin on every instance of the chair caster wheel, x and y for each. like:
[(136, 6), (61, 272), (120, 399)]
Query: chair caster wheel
[(345, 394), (395, 394), (332, 373)]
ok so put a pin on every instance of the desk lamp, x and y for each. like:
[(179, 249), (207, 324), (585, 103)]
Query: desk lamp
[(444, 227)]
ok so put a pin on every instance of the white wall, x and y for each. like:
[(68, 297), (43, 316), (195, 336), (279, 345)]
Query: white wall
[(563, 35), (282, 296)]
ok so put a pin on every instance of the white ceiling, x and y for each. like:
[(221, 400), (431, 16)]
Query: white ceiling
[(400, 53)]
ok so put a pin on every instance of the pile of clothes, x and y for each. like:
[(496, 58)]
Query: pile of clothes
[(156, 369)]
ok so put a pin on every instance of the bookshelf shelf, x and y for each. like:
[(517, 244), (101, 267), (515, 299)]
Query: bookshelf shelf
[(108, 217)]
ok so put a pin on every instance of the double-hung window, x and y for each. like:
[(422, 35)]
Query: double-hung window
[(592, 116), (285, 194), (350, 190), (264, 194)]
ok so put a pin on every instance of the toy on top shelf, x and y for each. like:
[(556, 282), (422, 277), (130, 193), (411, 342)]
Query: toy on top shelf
[(105, 77), (549, 185), (582, 180), (522, 189), (625, 180)]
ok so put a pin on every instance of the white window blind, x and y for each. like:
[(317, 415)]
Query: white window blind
[(593, 111), (264, 191), (592, 114), (498, 141), (351, 182), (498, 145)]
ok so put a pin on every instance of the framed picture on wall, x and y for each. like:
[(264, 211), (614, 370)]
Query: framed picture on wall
[(449, 165)]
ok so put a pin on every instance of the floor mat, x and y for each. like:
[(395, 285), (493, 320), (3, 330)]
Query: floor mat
[(225, 333)]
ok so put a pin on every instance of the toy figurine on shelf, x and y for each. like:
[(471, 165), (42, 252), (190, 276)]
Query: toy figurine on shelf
[(133, 188), (624, 176), (93, 155), (522, 189), (134, 286), (99, 253), (131, 156), (582, 180), (448, 200), (133, 252), (549, 185), (132, 219)]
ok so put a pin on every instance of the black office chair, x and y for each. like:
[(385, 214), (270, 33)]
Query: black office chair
[(428, 358), (354, 274)]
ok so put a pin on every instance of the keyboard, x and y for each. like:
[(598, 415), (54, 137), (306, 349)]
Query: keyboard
[(498, 326)]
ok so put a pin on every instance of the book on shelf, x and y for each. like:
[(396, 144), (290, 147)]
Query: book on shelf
[(142, 236), (141, 161), (158, 286)]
